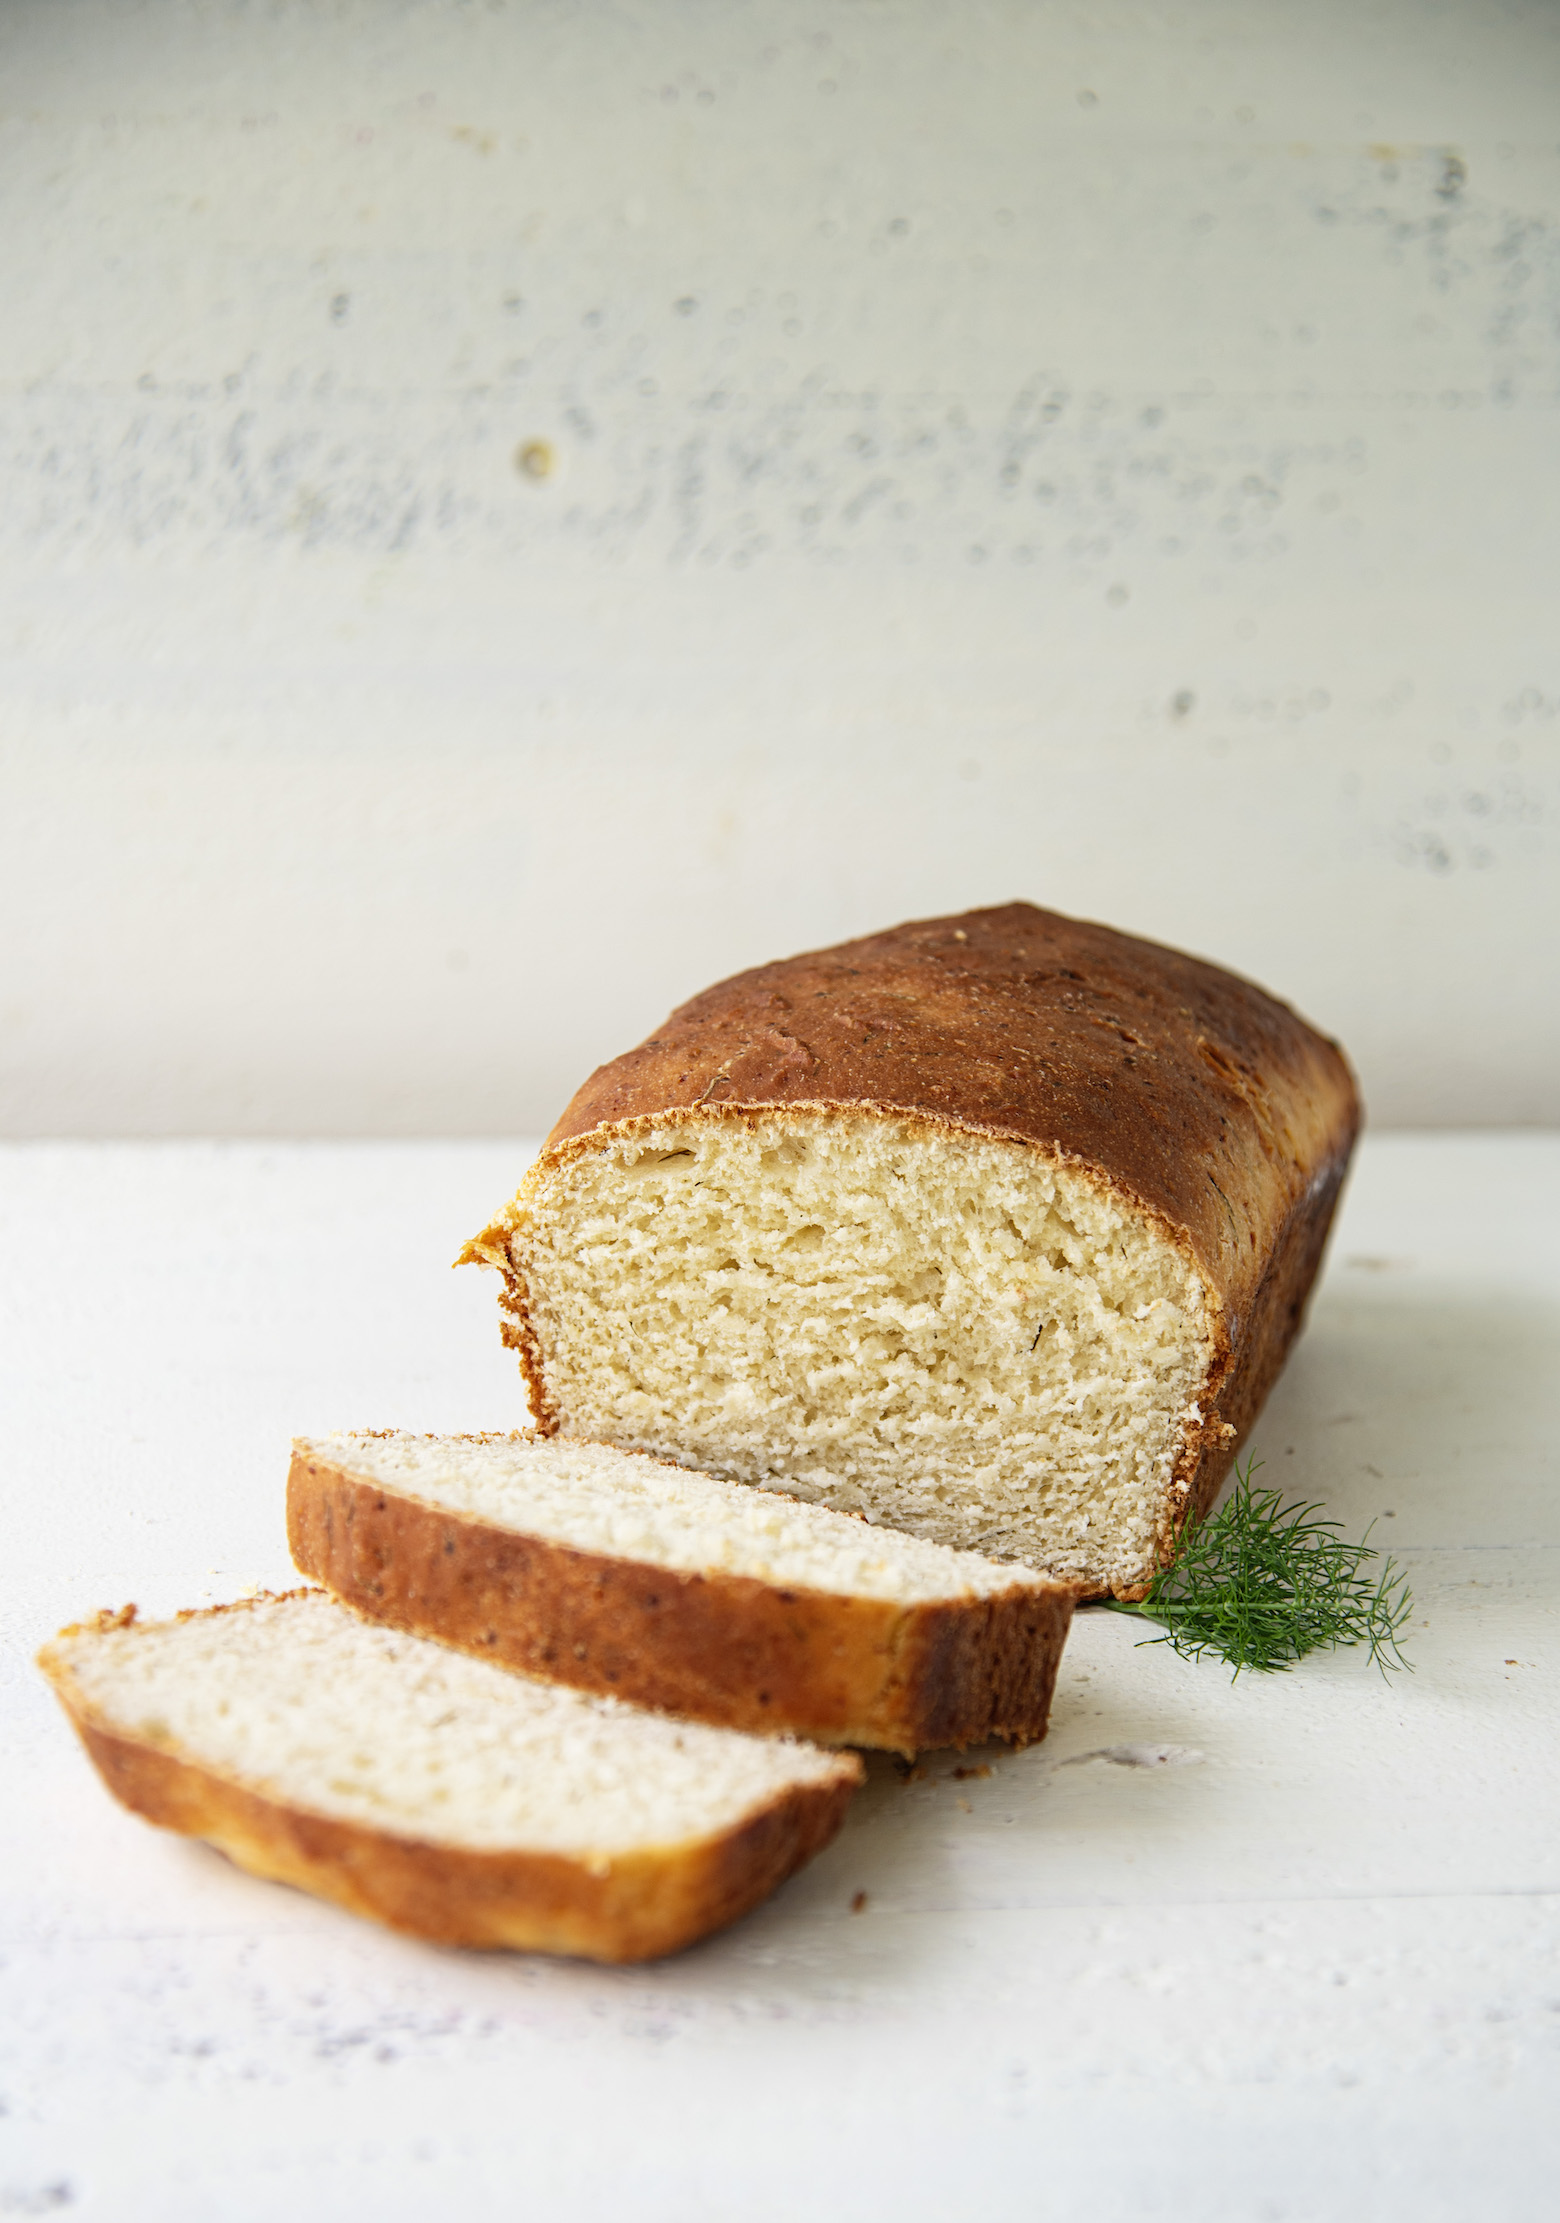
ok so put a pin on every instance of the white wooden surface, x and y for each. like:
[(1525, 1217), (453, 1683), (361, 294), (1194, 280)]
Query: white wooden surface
[(1079, 449), (1288, 1949)]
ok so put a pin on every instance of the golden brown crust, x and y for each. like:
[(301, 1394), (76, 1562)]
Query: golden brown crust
[(1188, 1092), (718, 1647), (1192, 1090), (632, 1907)]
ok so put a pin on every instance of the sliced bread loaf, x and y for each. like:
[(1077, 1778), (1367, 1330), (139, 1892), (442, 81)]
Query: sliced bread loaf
[(438, 1793), (616, 1572), (996, 1228)]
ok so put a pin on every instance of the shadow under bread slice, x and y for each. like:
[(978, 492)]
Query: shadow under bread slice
[(620, 1573), (436, 1793)]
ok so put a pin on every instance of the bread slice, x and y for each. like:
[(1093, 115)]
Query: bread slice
[(438, 1793), (615, 1572), (996, 1228)]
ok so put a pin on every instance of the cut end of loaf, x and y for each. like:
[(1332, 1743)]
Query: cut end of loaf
[(951, 1332)]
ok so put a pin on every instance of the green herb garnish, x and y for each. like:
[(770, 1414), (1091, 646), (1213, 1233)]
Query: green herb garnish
[(1261, 1583)]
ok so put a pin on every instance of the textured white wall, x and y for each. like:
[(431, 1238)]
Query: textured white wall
[(1106, 453)]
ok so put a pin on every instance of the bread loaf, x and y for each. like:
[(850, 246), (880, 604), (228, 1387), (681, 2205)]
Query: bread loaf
[(438, 1793), (994, 1228), (616, 1573)]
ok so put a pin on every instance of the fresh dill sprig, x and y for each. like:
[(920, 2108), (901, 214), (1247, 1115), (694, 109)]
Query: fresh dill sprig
[(1261, 1583)]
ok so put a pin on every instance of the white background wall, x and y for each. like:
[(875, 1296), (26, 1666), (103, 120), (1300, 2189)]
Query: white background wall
[(1106, 453)]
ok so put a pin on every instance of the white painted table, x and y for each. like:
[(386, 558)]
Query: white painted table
[(1282, 1950)]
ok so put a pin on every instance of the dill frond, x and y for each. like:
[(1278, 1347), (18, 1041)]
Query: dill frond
[(1261, 1583)]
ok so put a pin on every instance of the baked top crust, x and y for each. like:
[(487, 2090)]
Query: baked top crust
[(1192, 1091)]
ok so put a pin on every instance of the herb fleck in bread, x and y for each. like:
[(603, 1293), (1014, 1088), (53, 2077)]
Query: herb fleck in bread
[(616, 1572), (438, 1793), (997, 1228)]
